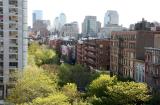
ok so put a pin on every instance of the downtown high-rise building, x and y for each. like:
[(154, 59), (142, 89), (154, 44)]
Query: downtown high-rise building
[(59, 22), (37, 15), (13, 41), (56, 24), (111, 23), (111, 18), (89, 25), (62, 19)]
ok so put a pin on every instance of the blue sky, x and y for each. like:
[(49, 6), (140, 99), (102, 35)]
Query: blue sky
[(130, 11)]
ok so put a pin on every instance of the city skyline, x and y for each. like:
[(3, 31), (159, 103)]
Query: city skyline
[(129, 11)]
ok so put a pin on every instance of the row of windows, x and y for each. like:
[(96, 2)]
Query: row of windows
[(13, 11), (12, 26), (124, 37), (11, 64), (124, 44), (152, 58), (12, 34), (13, 3)]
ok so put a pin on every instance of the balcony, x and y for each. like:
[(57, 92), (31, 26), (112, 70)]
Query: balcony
[(1, 58), (13, 65), (91, 49), (1, 73), (13, 26), (13, 18), (79, 55), (90, 61), (1, 26), (1, 34), (13, 58), (91, 55), (13, 42), (13, 3), (1, 3), (13, 50), (13, 11), (1, 80), (1, 66), (1, 18), (13, 34), (79, 50), (1, 10)]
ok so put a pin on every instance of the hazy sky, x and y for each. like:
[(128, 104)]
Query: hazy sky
[(130, 11)]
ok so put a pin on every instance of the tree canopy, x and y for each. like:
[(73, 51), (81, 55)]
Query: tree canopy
[(44, 82), (32, 83), (107, 90), (40, 55)]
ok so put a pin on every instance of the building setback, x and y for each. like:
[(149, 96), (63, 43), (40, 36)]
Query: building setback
[(94, 53), (13, 39), (126, 46)]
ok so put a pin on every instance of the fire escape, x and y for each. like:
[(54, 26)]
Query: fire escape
[(120, 56)]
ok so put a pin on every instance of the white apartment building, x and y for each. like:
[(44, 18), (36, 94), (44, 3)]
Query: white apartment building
[(13, 41)]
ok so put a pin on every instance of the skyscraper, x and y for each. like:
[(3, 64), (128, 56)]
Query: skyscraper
[(59, 22), (62, 19), (13, 41), (37, 15), (56, 24), (111, 18), (98, 26), (89, 25), (111, 23)]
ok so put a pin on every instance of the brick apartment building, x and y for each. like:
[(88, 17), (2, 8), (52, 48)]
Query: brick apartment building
[(80, 53), (94, 53), (127, 46), (152, 65), (56, 44)]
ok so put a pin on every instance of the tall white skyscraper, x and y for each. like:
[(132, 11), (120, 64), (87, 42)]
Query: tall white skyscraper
[(59, 22), (89, 25), (56, 24), (62, 19), (111, 23), (111, 18), (13, 41)]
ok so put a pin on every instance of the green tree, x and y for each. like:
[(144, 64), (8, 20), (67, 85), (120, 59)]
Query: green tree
[(53, 99), (107, 90), (98, 86), (42, 55), (70, 90), (129, 93), (64, 74), (77, 74), (32, 83), (51, 68)]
